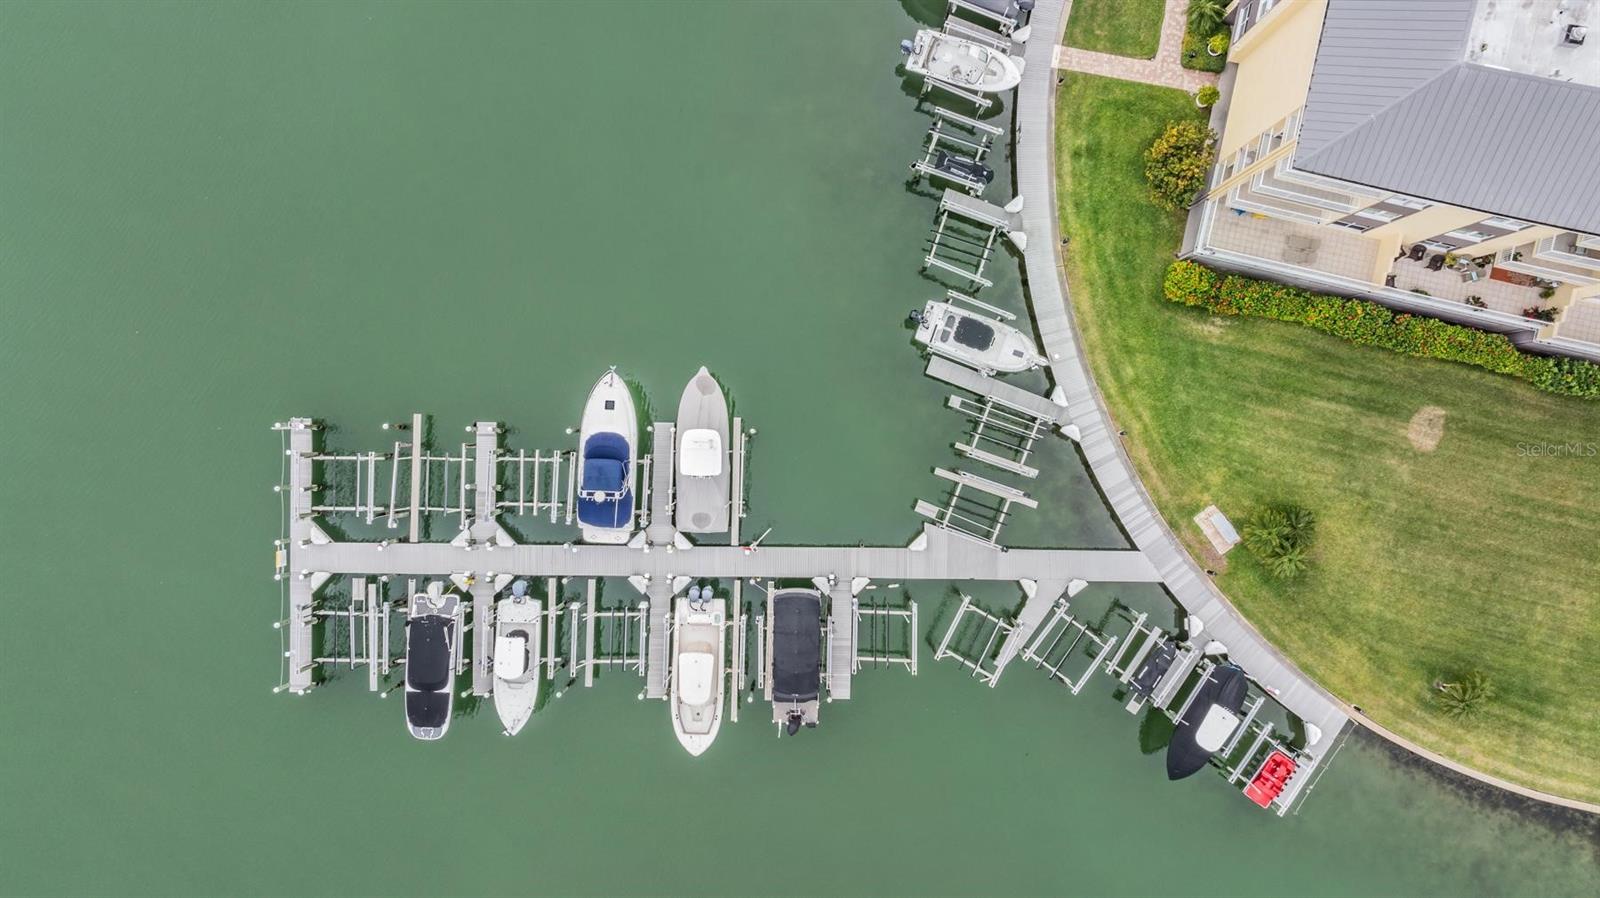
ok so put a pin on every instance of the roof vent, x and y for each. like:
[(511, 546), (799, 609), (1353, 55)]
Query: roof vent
[(1575, 34)]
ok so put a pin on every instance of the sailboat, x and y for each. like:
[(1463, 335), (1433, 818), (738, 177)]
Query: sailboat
[(608, 452)]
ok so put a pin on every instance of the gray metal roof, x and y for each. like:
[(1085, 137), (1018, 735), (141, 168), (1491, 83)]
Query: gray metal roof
[(1373, 52), (1392, 106)]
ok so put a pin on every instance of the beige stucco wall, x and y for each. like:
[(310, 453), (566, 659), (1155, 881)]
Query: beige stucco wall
[(1274, 59)]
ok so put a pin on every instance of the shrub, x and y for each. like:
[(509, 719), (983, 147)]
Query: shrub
[(1218, 44), (1371, 324), (1279, 536), (1464, 698), (1177, 164), (1205, 16), (1207, 95)]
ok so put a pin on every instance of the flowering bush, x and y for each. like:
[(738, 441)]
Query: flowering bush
[(1178, 162), (1371, 324)]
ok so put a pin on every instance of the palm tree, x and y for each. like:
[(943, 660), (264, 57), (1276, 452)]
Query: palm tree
[(1465, 698), (1205, 16)]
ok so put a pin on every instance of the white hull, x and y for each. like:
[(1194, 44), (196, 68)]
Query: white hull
[(701, 499), (610, 410), (517, 674), (976, 340), (697, 666), (961, 63)]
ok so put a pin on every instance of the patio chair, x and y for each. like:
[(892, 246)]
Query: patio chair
[(1417, 252), (1437, 262)]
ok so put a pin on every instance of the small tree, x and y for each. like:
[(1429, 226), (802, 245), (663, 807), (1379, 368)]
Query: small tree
[(1280, 536), (1464, 699), (1205, 16), (1177, 163)]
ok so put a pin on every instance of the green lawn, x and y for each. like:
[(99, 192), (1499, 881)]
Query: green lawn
[(1473, 555), (1123, 27)]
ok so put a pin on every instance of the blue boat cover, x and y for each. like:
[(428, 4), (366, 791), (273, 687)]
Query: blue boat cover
[(607, 512), (605, 469)]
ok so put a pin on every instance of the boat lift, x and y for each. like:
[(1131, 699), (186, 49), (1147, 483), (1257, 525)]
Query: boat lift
[(656, 664), (1057, 641), (1005, 14), (610, 637), (891, 634), (970, 518), (965, 29), (965, 234), (962, 143)]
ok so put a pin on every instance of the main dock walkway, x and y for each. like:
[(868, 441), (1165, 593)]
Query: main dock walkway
[(1112, 469)]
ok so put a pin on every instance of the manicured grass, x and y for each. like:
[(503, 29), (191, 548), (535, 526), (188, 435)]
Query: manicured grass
[(1193, 54), (1123, 27), (1477, 555)]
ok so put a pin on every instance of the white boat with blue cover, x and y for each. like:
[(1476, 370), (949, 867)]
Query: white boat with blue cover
[(608, 454)]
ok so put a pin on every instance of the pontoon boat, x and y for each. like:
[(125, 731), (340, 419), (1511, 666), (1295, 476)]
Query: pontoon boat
[(794, 657)]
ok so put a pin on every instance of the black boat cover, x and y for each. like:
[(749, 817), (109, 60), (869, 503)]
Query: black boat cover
[(796, 646), (974, 334), (428, 653), (1225, 687), (1154, 668), (427, 709)]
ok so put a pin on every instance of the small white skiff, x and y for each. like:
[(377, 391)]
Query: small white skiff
[(975, 340), (697, 661), (516, 658), (961, 63)]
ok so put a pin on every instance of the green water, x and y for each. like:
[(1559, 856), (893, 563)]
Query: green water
[(217, 216)]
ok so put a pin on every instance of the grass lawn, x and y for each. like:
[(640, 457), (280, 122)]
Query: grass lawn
[(1426, 563), (1123, 27)]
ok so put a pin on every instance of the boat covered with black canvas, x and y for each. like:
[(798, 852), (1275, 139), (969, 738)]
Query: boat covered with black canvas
[(1208, 722), (794, 657), (430, 660)]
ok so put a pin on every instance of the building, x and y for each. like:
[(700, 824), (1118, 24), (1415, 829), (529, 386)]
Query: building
[(1437, 156)]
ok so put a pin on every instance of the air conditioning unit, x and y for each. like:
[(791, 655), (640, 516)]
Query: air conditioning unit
[(1575, 34)]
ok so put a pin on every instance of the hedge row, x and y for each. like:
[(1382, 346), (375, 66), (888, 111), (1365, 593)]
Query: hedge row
[(1370, 324)]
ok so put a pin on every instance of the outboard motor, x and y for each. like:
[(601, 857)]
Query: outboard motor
[(519, 588), (915, 317), (792, 725), (907, 46)]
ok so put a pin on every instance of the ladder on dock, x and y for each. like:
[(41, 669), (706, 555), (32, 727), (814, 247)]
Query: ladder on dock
[(965, 234), (963, 137), (971, 518)]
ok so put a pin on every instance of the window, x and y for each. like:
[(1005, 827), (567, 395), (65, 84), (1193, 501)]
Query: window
[(1507, 224), (1379, 214), (1406, 202), (1469, 235)]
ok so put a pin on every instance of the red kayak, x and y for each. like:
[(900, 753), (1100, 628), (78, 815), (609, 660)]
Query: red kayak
[(1270, 778)]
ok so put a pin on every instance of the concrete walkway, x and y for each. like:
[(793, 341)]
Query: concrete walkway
[(1165, 69)]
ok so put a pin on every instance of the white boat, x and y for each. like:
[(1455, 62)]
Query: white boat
[(608, 453), (697, 659), (703, 476), (516, 657), (976, 340), (961, 63), (430, 663)]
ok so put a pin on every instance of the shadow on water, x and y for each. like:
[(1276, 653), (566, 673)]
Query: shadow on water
[(1155, 732), (925, 12)]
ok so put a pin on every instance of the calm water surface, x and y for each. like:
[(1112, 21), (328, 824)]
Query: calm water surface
[(218, 216)]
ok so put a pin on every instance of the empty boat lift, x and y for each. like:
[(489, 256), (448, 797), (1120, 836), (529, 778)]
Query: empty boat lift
[(953, 249)]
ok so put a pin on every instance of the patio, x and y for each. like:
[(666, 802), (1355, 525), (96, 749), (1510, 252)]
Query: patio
[(1449, 284), (1334, 251), (1581, 321)]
